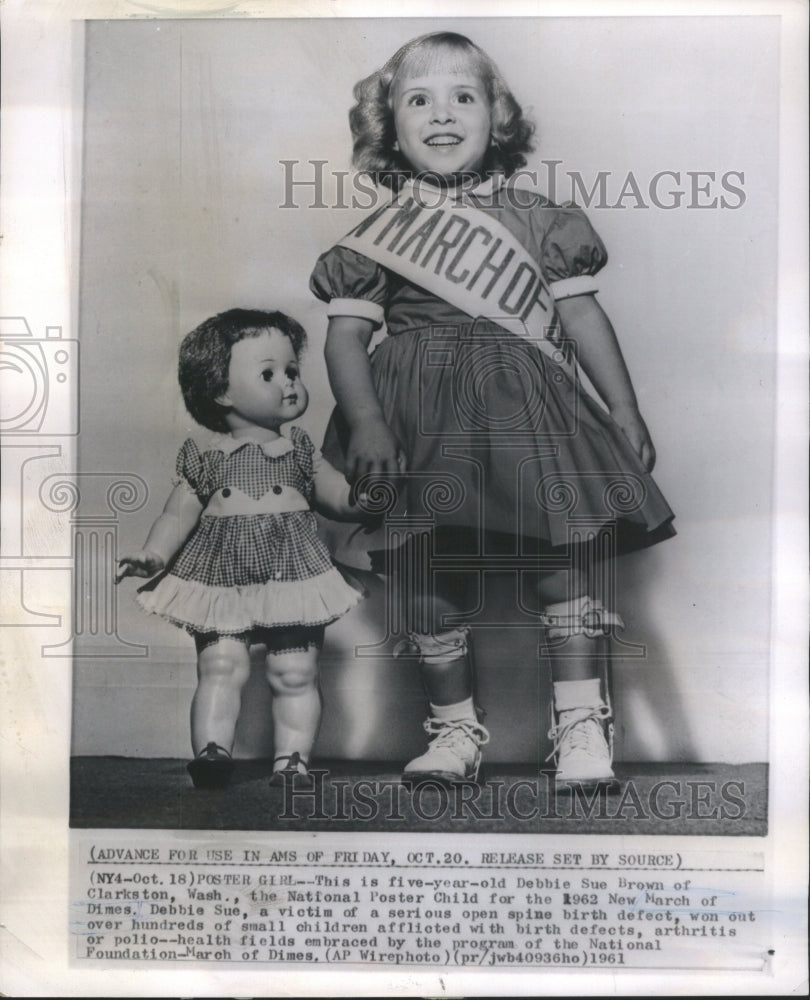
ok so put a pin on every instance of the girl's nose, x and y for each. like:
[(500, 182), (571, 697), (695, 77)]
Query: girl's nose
[(441, 114)]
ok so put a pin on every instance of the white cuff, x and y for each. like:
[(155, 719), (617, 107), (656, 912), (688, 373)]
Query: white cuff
[(567, 288), (361, 308), (586, 693)]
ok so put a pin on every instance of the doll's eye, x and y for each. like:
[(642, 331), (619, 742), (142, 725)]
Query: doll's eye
[(267, 374), (291, 372)]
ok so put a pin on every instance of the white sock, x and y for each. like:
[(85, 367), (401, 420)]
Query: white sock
[(578, 694), (460, 710)]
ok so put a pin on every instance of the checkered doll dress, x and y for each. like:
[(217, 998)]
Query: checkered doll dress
[(254, 559)]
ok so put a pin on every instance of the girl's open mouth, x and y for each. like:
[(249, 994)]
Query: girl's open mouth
[(443, 140)]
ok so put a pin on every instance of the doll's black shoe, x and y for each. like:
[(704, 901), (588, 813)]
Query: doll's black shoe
[(289, 767), (212, 767)]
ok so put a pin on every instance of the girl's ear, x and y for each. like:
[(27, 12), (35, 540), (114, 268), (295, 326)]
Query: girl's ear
[(224, 400), (396, 146)]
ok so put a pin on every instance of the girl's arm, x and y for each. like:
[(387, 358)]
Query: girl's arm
[(599, 353), (169, 532), (373, 447)]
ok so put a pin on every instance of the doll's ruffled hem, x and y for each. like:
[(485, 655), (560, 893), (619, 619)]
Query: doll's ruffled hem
[(232, 610)]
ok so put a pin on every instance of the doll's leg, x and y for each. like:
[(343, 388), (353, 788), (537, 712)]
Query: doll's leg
[(578, 632), (223, 667), (446, 666), (292, 673)]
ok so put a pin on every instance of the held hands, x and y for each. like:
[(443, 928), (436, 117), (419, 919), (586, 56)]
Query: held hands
[(635, 430), (373, 451), (143, 563)]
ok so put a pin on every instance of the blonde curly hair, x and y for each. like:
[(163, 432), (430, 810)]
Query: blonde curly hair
[(372, 117)]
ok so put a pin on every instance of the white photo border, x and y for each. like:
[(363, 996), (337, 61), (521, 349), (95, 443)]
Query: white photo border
[(41, 172)]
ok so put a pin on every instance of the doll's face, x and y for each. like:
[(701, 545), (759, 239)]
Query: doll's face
[(442, 121), (264, 384)]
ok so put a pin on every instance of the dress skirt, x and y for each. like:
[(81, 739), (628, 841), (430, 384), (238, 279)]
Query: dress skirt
[(500, 442)]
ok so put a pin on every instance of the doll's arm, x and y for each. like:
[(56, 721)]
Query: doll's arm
[(373, 447), (599, 353), (168, 533), (333, 495)]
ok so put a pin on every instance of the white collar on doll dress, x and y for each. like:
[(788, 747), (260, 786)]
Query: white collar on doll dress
[(228, 444)]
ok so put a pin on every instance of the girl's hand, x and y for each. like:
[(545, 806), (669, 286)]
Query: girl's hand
[(373, 451), (586, 324), (142, 563), (635, 430)]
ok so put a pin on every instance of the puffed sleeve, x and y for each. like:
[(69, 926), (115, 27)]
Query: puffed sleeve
[(351, 284), (303, 452), (571, 252), (189, 471), (303, 449)]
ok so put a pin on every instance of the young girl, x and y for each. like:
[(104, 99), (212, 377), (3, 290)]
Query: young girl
[(250, 568), (487, 291)]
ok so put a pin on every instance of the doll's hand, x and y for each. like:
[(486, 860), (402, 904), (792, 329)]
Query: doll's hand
[(373, 451), (635, 430), (142, 563)]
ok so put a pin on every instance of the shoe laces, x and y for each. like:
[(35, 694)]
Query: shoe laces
[(455, 734), (582, 733)]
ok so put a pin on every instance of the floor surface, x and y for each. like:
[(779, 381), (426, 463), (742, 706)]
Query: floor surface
[(675, 799)]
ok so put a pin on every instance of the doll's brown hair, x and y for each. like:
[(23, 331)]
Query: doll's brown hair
[(205, 358)]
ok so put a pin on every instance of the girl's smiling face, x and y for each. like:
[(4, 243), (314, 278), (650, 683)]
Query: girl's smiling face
[(264, 384), (443, 122)]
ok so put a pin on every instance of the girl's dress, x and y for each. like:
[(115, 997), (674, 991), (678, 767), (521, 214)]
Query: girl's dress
[(501, 442), (254, 559)]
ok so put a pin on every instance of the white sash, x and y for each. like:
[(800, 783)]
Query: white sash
[(466, 257)]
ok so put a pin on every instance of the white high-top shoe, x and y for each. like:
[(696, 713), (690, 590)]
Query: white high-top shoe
[(453, 755), (582, 734), (583, 751)]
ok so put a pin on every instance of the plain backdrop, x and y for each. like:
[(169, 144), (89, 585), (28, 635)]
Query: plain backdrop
[(185, 127)]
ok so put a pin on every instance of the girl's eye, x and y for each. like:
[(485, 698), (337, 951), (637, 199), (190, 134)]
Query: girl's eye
[(417, 100), (466, 98)]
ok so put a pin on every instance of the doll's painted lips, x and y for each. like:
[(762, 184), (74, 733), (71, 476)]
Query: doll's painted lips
[(291, 399)]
